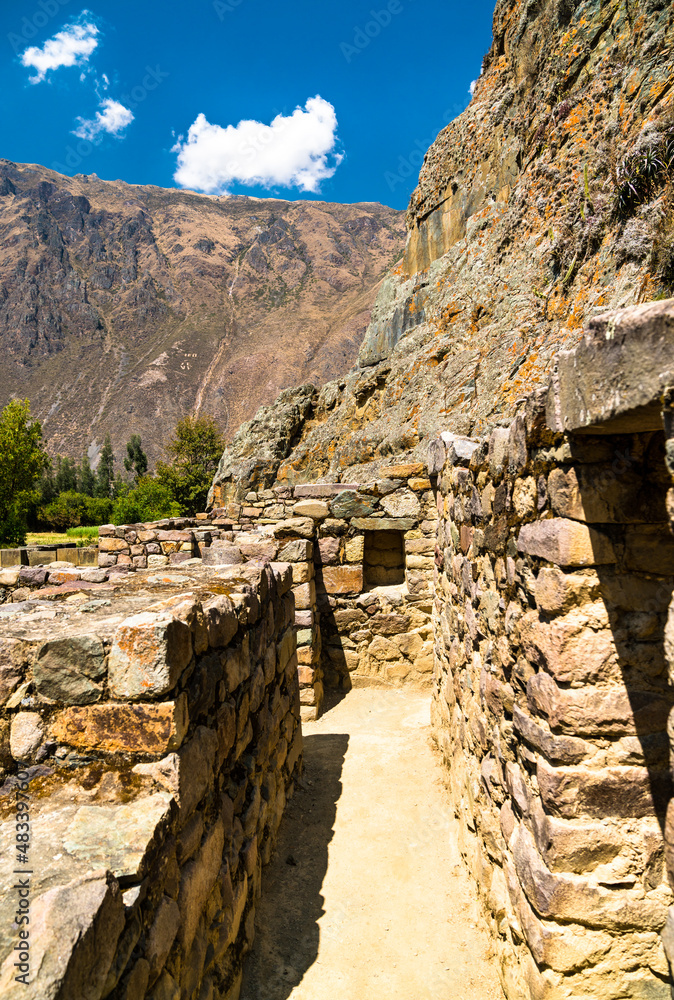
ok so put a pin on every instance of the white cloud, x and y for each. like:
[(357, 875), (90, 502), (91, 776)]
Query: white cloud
[(471, 89), (113, 119), (71, 46), (296, 150)]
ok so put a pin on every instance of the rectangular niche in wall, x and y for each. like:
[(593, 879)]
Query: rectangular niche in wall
[(383, 558)]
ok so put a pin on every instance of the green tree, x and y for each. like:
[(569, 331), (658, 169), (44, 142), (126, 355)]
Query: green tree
[(192, 454), (86, 478), (23, 461), (105, 474), (136, 459), (65, 480), (47, 485), (149, 500)]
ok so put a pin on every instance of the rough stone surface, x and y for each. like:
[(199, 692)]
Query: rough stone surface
[(153, 729), (149, 652), (71, 670)]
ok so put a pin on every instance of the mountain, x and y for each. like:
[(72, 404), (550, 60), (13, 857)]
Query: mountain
[(549, 200), (123, 308)]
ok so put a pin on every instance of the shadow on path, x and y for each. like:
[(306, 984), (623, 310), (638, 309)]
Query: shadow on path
[(287, 931)]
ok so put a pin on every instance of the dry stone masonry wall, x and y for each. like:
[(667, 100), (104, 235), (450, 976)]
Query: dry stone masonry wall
[(555, 571), (363, 607), (158, 738)]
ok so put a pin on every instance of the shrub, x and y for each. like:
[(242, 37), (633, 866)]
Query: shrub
[(71, 509), (150, 500)]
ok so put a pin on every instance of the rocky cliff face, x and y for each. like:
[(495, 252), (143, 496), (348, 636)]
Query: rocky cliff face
[(546, 202), (123, 308)]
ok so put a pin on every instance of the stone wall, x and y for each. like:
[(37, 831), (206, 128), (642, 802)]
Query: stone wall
[(154, 740), (159, 543), (349, 627), (555, 570), (42, 555)]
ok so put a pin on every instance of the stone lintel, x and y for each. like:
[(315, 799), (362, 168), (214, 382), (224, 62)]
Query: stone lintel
[(384, 523), (322, 490), (614, 381)]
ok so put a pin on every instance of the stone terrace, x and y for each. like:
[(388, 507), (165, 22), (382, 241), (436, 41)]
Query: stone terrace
[(156, 724)]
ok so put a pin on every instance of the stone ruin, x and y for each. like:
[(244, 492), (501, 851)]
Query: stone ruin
[(152, 706)]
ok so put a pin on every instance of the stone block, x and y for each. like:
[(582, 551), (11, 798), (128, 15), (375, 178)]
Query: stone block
[(573, 898), (297, 550), (614, 380), (304, 527), (283, 575), (195, 769), (405, 471), (435, 456), (566, 543), (258, 548), (341, 579), (622, 792), (68, 554), (517, 444), (328, 550), (196, 882), (71, 670), (79, 928), (302, 572), (419, 484), (26, 735), (13, 557), (41, 557), (305, 637), (389, 624), (221, 554), (122, 728), (221, 621), (112, 545), (402, 504), (354, 548), (317, 509), (556, 749), (576, 648), (237, 664), (350, 503), (580, 847), (593, 711), (305, 595), (16, 657), (322, 489), (384, 523), (557, 592), (149, 653), (498, 450), (162, 934), (525, 497)]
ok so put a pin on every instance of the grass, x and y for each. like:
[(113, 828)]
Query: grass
[(45, 538), (82, 532), (83, 536)]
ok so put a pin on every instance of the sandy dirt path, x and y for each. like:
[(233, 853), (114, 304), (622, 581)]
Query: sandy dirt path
[(366, 897)]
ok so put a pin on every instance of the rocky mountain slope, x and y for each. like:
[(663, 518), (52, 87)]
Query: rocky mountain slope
[(122, 308), (547, 201)]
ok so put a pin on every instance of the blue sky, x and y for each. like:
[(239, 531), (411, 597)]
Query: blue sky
[(339, 98)]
